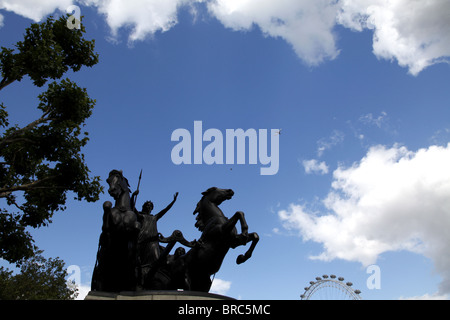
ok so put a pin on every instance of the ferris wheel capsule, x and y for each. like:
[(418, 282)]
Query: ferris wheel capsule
[(330, 288)]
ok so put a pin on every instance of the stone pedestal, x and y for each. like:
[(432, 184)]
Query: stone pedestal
[(155, 295)]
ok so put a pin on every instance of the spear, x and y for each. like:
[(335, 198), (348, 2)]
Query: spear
[(139, 182)]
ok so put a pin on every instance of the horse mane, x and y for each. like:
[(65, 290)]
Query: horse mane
[(124, 184), (197, 208), (204, 193)]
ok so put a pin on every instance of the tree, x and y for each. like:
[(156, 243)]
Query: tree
[(39, 279), (42, 162)]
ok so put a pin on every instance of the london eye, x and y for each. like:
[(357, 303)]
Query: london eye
[(330, 288)]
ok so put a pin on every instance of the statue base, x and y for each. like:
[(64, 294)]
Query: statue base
[(155, 295)]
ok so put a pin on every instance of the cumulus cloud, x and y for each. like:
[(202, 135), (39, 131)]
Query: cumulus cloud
[(392, 199), (306, 25), (146, 17), (34, 10), (314, 166), (412, 32), (220, 286)]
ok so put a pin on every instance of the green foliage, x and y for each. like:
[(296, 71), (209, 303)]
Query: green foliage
[(14, 235), (42, 161), (39, 279), (48, 50)]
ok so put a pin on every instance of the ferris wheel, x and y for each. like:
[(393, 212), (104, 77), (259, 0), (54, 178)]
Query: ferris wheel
[(330, 288)]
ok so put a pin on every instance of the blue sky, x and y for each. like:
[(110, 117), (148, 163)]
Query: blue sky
[(359, 90)]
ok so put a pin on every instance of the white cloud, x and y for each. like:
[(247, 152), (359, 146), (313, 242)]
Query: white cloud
[(145, 16), (441, 136), (220, 286), (327, 143), (427, 296), (369, 119), (83, 290), (306, 25), (414, 32), (33, 9), (314, 166), (393, 199)]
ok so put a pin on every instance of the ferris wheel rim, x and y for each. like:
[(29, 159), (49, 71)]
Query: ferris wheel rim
[(339, 284)]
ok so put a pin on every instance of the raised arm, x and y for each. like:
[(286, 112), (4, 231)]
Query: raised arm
[(160, 214)]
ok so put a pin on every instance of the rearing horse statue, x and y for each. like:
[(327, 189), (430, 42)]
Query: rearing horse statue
[(118, 262), (219, 234), (115, 268)]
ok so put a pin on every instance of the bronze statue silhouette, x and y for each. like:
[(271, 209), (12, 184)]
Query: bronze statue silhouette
[(129, 249), (219, 234), (148, 248), (130, 255), (169, 271), (115, 267)]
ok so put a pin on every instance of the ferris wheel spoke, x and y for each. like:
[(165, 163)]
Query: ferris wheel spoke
[(330, 288)]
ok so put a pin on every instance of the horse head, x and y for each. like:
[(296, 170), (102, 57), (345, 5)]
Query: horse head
[(207, 207), (117, 184), (217, 195)]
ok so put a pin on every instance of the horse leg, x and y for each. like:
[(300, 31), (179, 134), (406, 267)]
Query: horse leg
[(243, 238), (254, 238), (231, 223), (200, 282)]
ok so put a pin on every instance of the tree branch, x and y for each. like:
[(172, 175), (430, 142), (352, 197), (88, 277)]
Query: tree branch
[(5, 82), (4, 192), (13, 201), (12, 136)]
